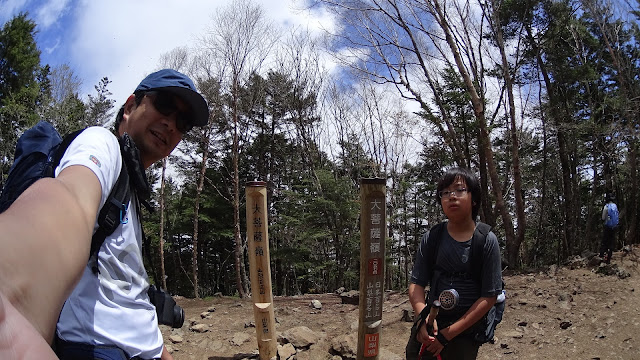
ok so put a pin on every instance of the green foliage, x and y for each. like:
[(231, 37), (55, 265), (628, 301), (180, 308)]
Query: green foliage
[(19, 87), (578, 139), (100, 106)]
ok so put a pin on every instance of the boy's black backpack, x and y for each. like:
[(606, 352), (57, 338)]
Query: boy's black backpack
[(494, 315), (38, 153)]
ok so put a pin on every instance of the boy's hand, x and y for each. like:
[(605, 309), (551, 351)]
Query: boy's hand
[(423, 335)]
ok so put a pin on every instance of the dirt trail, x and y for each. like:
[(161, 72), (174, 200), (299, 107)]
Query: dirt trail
[(561, 313)]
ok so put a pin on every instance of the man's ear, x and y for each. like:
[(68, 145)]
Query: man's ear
[(129, 106)]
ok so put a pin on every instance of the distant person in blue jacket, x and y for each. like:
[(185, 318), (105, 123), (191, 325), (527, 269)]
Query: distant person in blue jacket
[(610, 216)]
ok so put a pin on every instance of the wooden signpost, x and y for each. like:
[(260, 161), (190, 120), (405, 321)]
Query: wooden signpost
[(372, 253), (259, 267)]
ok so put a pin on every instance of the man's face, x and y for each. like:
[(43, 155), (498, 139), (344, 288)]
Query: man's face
[(152, 124)]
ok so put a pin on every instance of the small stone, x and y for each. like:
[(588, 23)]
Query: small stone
[(316, 304), (565, 325), (201, 328), (176, 339)]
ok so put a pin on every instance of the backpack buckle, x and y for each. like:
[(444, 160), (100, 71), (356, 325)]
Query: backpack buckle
[(123, 218)]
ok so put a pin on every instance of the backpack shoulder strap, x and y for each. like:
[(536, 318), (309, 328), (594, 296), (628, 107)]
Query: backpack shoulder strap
[(433, 245), (477, 248), (62, 148), (113, 211)]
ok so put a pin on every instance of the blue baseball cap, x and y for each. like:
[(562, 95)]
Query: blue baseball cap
[(179, 84)]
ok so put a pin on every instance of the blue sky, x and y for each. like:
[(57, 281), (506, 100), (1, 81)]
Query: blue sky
[(124, 39)]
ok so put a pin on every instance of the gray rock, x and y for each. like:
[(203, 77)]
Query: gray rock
[(595, 261), (176, 339), (201, 328), (316, 304), (350, 297), (623, 274), (239, 338), (346, 346), (286, 351), (301, 337), (513, 334), (205, 315)]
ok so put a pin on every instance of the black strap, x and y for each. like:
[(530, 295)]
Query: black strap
[(477, 248), (115, 207), (433, 245), (443, 340), (113, 211), (62, 148)]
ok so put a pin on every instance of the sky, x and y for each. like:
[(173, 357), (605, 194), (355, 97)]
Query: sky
[(124, 39)]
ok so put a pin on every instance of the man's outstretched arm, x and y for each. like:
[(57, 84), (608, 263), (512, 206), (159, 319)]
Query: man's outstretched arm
[(45, 238)]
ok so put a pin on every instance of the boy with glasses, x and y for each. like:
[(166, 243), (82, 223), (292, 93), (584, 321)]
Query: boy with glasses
[(452, 336), (46, 237)]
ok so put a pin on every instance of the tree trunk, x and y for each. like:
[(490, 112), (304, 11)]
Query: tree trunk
[(239, 246), (484, 140), (196, 208), (556, 113), (515, 156)]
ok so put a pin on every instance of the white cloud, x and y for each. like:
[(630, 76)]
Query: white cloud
[(9, 8), (124, 39), (50, 12)]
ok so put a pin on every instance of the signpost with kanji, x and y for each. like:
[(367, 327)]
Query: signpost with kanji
[(372, 252), (258, 241)]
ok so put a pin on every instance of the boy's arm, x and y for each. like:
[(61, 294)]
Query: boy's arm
[(475, 313), (45, 238), (416, 297)]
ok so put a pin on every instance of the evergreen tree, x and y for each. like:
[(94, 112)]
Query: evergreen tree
[(19, 86)]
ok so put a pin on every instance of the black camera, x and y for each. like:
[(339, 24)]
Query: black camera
[(169, 313)]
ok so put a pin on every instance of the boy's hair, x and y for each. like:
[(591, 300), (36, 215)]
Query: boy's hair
[(139, 96), (473, 186)]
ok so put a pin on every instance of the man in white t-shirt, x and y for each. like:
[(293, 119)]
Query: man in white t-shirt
[(108, 314)]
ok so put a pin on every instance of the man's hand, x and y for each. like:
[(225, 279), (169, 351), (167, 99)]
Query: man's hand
[(166, 355), (19, 340)]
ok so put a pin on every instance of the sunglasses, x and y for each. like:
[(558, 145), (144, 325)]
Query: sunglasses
[(165, 104)]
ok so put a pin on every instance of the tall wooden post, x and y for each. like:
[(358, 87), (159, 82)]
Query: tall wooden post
[(372, 253), (261, 294)]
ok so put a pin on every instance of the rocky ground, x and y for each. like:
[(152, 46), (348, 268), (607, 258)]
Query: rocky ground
[(576, 311)]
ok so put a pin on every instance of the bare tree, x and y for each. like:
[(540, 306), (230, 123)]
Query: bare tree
[(240, 38), (493, 16), (403, 43), (176, 59)]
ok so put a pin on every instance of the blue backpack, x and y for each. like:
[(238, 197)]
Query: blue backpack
[(612, 216), (38, 153)]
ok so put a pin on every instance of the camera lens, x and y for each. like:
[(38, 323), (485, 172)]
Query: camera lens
[(178, 317)]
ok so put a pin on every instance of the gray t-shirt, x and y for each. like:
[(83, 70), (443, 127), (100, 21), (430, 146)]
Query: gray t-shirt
[(453, 271)]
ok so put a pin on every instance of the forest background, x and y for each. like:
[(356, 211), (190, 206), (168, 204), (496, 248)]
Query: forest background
[(540, 98)]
